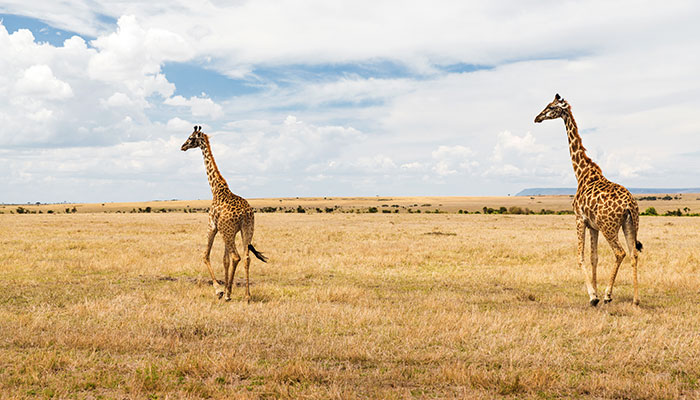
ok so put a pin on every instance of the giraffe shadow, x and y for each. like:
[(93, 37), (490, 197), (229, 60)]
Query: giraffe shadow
[(261, 298), (622, 306), (201, 281)]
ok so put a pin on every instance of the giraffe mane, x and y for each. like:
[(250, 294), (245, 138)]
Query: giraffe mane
[(211, 154), (590, 161)]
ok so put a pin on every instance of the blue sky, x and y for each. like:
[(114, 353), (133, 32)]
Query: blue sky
[(348, 99)]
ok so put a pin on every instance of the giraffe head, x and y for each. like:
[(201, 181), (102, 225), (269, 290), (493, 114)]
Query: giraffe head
[(555, 109), (196, 139)]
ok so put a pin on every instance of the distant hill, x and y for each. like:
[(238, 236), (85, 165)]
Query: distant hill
[(570, 191)]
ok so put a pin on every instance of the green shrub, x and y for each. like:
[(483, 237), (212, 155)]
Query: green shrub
[(650, 211)]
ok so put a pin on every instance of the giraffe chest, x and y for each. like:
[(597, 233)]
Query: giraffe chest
[(585, 205)]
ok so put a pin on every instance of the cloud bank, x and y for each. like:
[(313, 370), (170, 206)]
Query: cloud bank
[(358, 98)]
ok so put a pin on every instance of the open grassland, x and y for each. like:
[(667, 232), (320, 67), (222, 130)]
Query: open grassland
[(686, 202), (349, 306)]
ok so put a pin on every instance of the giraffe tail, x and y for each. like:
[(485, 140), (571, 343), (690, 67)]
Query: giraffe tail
[(258, 254), (632, 216)]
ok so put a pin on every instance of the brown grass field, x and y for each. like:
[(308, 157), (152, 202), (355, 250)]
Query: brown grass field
[(691, 201), (105, 305)]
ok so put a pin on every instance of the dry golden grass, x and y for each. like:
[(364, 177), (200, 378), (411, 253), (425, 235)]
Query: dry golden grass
[(349, 306), (449, 204)]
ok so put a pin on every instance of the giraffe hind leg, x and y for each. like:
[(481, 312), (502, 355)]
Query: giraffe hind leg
[(629, 229), (594, 258), (619, 256), (227, 263), (247, 238), (235, 259)]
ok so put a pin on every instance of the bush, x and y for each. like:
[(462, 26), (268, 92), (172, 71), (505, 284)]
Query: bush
[(650, 211), (301, 209), (372, 210)]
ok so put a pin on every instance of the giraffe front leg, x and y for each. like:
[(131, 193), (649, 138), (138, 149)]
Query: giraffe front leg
[(218, 291), (581, 231)]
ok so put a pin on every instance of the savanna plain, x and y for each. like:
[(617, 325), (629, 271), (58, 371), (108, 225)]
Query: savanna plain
[(350, 305)]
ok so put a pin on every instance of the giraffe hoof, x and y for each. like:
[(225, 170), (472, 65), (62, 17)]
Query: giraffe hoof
[(228, 298), (606, 301), (247, 299), (594, 302), (219, 294), (635, 302)]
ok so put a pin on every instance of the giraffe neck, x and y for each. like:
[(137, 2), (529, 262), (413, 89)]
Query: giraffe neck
[(216, 180), (585, 169)]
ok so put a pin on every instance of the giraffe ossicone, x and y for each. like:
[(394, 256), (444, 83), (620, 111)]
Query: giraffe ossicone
[(599, 206), (229, 214)]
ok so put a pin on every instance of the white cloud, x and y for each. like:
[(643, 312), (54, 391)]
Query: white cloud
[(269, 32), (199, 106), (284, 149), (179, 125), (453, 159), (119, 99), (379, 163), (413, 166), (133, 56), (511, 145), (39, 81), (633, 97)]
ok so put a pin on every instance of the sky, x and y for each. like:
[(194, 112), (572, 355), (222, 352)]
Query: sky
[(349, 98)]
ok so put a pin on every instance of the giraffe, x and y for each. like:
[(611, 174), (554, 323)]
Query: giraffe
[(599, 206), (229, 214)]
